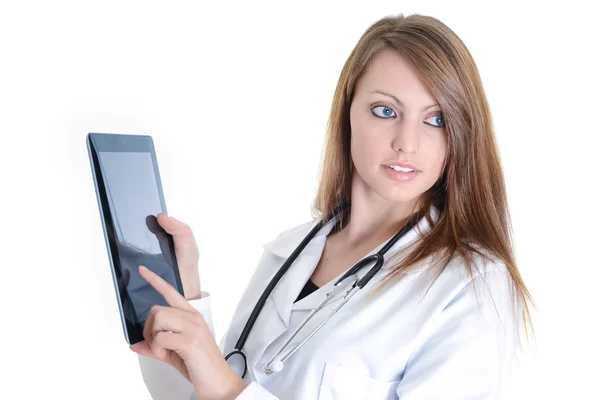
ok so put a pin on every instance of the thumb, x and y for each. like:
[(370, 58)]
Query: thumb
[(172, 226)]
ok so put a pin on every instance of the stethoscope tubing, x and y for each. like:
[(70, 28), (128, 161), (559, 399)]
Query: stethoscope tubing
[(356, 285), (349, 293), (286, 265)]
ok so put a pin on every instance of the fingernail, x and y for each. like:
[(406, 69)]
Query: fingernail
[(142, 267)]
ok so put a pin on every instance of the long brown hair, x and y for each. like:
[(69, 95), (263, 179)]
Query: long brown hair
[(470, 194)]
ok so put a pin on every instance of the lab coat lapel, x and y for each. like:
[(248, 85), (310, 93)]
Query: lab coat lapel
[(292, 282), (290, 285), (275, 318), (311, 301)]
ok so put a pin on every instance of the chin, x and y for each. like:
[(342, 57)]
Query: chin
[(399, 195), (393, 192)]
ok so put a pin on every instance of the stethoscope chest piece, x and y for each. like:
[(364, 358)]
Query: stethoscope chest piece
[(275, 366)]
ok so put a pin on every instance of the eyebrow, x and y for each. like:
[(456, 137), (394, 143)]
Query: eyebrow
[(399, 102)]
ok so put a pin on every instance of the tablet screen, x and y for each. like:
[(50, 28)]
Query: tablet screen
[(132, 195)]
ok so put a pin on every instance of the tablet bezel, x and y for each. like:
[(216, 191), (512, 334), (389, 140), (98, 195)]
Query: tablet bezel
[(109, 142)]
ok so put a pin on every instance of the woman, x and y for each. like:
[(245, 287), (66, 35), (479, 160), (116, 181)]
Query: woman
[(409, 138)]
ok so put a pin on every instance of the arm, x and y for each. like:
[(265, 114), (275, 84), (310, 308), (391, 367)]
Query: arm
[(468, 350), (162, 380)]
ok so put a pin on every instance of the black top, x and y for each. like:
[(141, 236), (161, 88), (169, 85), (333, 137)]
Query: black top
[(306, 290)]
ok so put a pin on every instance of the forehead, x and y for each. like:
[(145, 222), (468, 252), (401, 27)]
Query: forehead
[(391, 72)]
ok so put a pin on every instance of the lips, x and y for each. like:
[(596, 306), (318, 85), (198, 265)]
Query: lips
[(403, 167), (401, 173)]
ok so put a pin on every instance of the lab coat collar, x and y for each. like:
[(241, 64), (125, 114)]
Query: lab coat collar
[(298, 274), (287, 241)]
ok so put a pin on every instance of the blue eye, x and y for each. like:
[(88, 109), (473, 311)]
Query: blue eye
[(383, 112), (439, 121)]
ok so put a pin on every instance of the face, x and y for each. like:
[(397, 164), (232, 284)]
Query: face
[(398, 139)]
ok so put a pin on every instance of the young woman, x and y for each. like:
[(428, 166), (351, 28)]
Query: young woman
[(410, 149)]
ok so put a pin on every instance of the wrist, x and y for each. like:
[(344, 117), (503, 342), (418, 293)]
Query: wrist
[(235, 389), (230, 388), (194, 295), (193, 292)]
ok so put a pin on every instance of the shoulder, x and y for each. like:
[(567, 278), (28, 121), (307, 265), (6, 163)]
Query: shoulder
[(481, 303), (487, 293), (479, 265), (470, 329), (482, 274), (482, 284)]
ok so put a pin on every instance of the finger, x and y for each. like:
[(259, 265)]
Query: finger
[(168, 292), (153, 225), (142, 348), (168, 319), (167, 341), (148, 331), (183, 237), (162, 318)]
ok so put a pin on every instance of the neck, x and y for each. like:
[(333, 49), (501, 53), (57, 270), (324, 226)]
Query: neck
[(373, 217)]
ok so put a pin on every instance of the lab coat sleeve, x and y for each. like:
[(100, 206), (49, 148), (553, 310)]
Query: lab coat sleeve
[(468, 349), (254, 391), (165, 382)]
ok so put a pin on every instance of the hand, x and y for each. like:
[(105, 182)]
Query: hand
[(179, 336), (186, 252)]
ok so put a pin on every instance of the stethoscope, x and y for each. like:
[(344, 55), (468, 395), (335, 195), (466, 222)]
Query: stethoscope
[(349, 282)]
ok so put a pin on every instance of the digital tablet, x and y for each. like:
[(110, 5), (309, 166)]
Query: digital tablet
[(130, 196)]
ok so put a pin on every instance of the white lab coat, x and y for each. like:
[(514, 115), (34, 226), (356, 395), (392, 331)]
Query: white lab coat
[(406, 342)]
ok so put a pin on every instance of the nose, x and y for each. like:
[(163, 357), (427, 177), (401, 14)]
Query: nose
[(406, 137)]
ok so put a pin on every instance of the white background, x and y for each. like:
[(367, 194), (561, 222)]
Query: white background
[(236, 96)]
